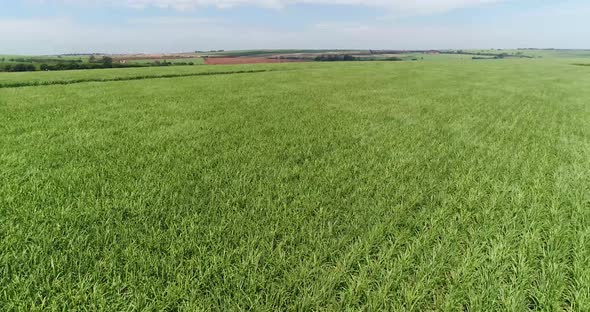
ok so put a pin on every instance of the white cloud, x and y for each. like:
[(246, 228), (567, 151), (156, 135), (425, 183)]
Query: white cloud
[(555, 25), (402, 6), (165, 34)]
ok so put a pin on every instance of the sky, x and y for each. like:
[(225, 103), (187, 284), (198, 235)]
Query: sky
[(36, 27)]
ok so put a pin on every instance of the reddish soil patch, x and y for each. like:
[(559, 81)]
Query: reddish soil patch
[(246, 60)]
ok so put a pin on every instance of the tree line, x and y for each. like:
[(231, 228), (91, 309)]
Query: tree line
[(336, 58), (351, 58), (93, 63)]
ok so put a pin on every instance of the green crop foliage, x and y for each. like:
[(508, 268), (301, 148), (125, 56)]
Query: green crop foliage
[(119, 74), (401, 186)]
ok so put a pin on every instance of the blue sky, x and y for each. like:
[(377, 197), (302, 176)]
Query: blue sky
[(129, 26)]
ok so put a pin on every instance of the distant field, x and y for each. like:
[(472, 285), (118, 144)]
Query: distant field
[(261, 53), (195, 60), (43, 63), (454, 185), (247, 60)]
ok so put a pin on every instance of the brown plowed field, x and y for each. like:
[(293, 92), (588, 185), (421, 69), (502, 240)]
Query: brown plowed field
[(246, 60)]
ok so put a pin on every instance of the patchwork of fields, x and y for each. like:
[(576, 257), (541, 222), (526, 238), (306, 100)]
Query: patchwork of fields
[(371, 186)]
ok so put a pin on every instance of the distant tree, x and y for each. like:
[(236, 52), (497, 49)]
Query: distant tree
[(107, 61), (44, 67), (92, 59), (19, 68), (348, 58), (335, 57), (23, 67)]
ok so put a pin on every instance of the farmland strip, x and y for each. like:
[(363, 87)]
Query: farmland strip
[(22, 84)]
